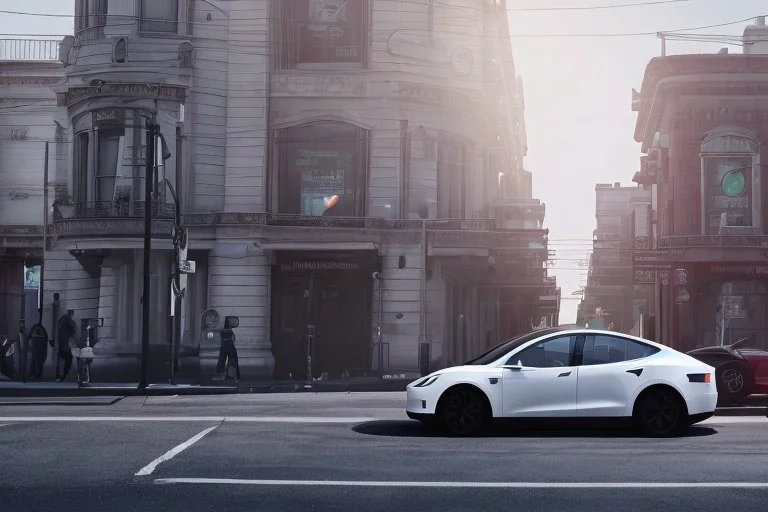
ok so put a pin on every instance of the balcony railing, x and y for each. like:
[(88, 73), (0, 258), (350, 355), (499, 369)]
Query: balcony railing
[(29, 49), (292, 220), (111, 210)]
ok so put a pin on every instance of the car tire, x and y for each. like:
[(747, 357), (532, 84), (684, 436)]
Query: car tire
[(733, 382), (660, 412), (464, 411)]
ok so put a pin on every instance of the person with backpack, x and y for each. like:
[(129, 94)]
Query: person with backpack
[(66, 329)]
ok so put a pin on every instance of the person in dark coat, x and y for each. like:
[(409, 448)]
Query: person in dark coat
[(38, 341), (228, 351), (66, 329)]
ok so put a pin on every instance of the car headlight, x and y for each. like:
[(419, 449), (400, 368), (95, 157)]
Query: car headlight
[(426, 382)]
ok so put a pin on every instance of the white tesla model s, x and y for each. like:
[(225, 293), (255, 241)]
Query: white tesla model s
[(568, 374)]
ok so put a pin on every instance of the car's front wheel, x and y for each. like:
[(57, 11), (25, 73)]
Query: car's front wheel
[(660, 412), (733, 383), (464, 411)]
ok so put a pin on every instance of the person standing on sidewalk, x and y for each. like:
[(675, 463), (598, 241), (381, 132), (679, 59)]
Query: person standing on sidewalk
[(66, 329), (38, 341), (228, 352)]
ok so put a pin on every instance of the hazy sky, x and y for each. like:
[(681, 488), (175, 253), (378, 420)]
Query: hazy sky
[(577, 93)]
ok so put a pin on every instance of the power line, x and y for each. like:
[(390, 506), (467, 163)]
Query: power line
[(594, 7)]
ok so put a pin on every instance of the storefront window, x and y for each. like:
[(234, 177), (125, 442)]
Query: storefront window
[(322, 170)]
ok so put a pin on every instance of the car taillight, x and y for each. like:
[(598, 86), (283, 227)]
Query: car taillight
[(705, 378)]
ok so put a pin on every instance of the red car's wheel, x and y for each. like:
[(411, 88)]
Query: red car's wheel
[(734, 382)]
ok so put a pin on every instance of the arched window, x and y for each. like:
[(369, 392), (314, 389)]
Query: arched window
[(729, 172), (322, 169)]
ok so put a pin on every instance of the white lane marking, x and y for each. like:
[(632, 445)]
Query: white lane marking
[(473, 485), (149, 468), (4, 424), (719, 420), (219, 419)]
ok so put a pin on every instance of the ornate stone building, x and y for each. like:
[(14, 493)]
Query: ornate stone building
[(28, 70), (703, 123), (623, 216), (350, 170)]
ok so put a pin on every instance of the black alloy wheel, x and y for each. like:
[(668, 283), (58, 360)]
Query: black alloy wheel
[(464, 412), (661, 413), (733, 383)]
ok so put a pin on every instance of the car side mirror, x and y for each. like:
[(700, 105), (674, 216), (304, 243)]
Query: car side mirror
[(514, 367)]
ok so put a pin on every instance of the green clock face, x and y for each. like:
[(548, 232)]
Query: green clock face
[(734, 184)]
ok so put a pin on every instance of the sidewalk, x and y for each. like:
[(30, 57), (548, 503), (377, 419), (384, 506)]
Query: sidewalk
[(70, 389)]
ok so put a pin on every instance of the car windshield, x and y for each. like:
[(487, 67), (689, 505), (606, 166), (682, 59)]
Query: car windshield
[(499, 350)]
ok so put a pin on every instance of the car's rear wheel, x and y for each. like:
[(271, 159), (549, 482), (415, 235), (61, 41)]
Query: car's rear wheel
[(733, 383), (464, 411), (660, 412)]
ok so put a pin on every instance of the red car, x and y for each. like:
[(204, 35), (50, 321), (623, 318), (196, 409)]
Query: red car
[(740, 370)]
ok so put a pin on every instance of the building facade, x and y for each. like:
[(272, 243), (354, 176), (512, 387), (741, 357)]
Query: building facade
[(702, 122), (350, 173), (622, 217), (28, 70)]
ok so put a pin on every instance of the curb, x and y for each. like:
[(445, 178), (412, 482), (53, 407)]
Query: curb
[(20, 392), (742, 411)]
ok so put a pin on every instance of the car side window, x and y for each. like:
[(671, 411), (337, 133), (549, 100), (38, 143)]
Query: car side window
[(602, 349), (546, 354)]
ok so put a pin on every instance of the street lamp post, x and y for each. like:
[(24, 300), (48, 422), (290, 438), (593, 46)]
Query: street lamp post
[(150, 156)]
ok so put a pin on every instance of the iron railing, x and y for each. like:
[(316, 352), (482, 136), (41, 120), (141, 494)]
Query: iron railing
[(29, 49), (112, 210)]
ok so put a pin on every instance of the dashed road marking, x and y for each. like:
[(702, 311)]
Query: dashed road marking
[(149, 468)]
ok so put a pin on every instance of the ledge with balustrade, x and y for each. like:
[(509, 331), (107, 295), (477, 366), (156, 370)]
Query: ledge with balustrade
[(108, 218)]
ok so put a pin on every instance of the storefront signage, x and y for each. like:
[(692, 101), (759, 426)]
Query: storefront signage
[(77, 94), (302, 266), (317, 85), (650, 256), (644, 276), (748, 270), (681, 277), (714, 240)]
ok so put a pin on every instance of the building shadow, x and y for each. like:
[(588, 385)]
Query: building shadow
[(410, 428)]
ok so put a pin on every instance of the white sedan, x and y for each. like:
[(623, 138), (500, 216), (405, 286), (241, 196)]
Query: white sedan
[(568, 375)]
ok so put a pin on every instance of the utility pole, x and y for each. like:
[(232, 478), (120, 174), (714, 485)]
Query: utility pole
[(41, 287), (151, 131)]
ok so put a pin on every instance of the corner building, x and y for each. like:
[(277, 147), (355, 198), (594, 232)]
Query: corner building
[(409, 115)]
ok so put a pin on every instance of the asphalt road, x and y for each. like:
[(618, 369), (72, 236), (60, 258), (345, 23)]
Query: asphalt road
[(355, 452)]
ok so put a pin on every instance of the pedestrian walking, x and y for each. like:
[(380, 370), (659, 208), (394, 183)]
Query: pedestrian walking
[(66, 329), (228, 352), (37, 341)]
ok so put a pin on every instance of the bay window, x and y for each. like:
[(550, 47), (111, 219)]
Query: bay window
[(315, 33), (322, 170), (109, 162), (159, 16)]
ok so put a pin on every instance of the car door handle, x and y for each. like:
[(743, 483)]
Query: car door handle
[(636, 371), (564, 374)]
